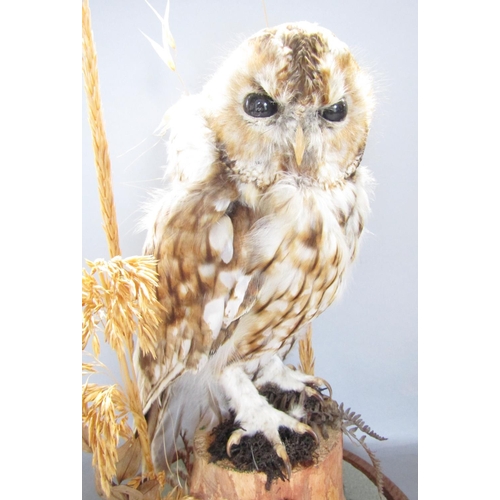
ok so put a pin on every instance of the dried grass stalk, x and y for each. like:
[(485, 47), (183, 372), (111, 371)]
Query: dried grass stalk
[(306, 353), (265, 13), (119, 295), (99, 141), (168, 41)]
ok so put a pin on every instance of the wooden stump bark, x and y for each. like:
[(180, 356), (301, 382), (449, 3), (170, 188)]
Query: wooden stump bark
[(220, 481)]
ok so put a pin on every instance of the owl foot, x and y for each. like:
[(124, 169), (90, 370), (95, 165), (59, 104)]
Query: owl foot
[(260, 436), (254, 441), (268, 421), (258, 452), (310, 406), (289, 379)]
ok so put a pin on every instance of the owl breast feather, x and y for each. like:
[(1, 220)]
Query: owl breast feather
[(300, 246)]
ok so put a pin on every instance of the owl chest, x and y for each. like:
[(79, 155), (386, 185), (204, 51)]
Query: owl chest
[(307, 227), (300, 249), (313, 260)]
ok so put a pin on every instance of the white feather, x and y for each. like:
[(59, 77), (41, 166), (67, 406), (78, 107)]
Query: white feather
[(221, 238), (213, 315), (238, 295)]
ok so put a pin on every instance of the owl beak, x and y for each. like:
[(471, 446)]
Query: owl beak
[(299, 146)]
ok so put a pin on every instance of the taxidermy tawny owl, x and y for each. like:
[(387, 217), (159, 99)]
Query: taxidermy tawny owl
[(262, 215)]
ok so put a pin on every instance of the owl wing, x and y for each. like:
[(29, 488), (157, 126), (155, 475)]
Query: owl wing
[(199, 278), (196, 236)]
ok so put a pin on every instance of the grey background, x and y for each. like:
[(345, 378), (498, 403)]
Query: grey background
[(366, 343)]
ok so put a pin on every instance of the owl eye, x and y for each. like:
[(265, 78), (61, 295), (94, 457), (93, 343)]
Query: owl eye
[(259, 106), (335, 113)]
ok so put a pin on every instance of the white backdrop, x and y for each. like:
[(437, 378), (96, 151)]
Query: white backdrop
[(366, 343)]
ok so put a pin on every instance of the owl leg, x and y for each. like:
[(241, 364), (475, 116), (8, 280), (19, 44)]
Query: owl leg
[(255, 415)]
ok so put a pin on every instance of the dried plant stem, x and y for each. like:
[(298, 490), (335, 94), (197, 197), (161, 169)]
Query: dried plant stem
[(265, 13), (306, 353), (99, 141), (135, 407), (103, 169)]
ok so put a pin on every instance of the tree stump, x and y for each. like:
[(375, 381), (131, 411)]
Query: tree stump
[(220, 481)]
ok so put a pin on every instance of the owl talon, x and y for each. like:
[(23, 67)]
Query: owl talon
[(328, 386), (281, 452), (306, 429), (314, 393), (321, 384), (234, 440)]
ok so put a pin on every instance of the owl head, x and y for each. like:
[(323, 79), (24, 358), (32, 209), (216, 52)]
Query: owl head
[(290, 100)]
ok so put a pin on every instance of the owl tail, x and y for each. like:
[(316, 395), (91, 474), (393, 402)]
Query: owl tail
[(188, 403)]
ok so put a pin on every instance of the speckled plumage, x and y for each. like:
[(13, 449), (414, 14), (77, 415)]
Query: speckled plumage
[(259, 222)]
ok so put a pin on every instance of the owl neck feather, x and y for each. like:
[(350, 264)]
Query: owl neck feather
[(263, 179)]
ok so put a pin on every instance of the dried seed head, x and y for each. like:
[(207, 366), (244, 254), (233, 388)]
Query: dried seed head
[(121, 294), (104, 413)]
